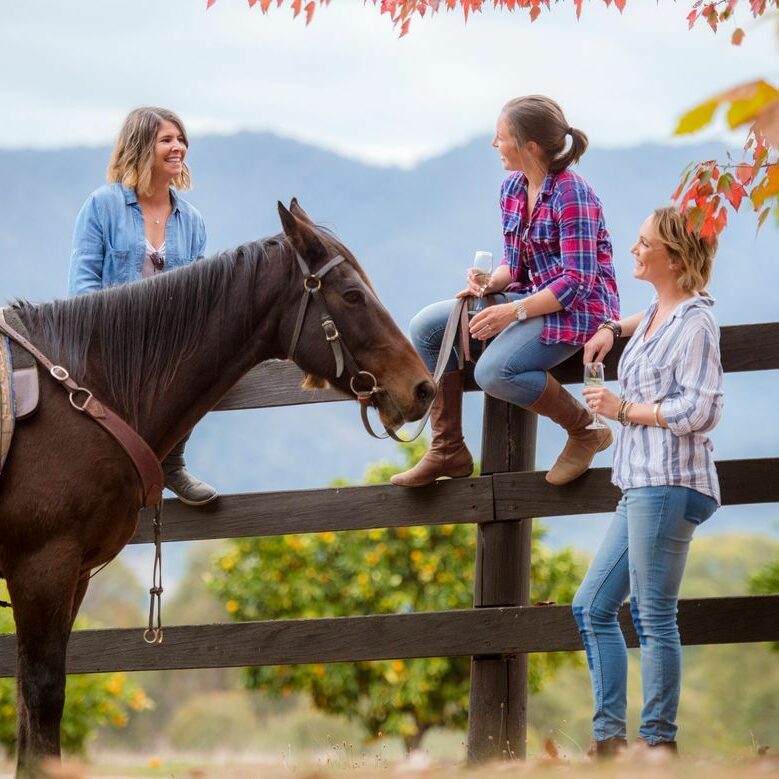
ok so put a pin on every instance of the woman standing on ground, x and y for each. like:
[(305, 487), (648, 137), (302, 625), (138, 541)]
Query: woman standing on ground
[(136, 226), (670, 397), (558, 279)]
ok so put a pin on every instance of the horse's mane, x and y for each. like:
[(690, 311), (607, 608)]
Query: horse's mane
[(144, 331)]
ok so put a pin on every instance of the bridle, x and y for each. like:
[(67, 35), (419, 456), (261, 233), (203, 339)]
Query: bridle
[(312, 286), (312, 291)]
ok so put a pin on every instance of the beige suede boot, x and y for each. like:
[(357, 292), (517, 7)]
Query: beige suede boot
[(561, 407), (448, 455)]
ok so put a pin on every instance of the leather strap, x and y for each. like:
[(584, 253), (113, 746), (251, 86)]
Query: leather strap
[(140, 453), (458, 312)]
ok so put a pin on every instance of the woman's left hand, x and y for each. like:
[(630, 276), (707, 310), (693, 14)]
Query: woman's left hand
[(491, 321), (601, 401)]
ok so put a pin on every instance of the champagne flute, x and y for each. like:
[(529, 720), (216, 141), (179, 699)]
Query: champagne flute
[(594, 376), (481, 270)]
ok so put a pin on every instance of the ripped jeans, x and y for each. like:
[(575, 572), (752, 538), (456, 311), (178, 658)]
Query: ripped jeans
[(643, 554)]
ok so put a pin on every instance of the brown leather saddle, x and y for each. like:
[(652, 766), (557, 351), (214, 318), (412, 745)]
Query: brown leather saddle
[(19, 389)]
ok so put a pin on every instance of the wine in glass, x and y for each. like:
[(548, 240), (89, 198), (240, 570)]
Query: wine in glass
[(593, 376), (481, 272)]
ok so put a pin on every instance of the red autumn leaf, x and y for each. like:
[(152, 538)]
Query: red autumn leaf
[(744, 174), (737, 37), (691, 17)]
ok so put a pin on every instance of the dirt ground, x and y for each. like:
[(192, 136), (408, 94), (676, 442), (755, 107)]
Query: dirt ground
[(633, 764)]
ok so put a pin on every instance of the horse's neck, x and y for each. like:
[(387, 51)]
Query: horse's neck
[(224, 355)]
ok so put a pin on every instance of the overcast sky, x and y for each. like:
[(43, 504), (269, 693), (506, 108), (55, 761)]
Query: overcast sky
[(71, 70)]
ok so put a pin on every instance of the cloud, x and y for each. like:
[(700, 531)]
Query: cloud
[(72, 70)]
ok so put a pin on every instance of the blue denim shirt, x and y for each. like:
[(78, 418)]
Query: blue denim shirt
[(109, 241)]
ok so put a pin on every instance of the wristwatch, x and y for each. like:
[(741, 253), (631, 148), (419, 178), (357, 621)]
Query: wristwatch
[(520, 313)]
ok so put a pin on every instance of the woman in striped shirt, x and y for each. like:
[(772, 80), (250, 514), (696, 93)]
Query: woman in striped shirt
[(670, 397), (557, 278)]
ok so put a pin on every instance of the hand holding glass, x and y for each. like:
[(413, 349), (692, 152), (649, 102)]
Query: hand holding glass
[(594, 375), (481, 272)]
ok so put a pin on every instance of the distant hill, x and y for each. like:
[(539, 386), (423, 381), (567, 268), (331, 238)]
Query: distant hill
[(433, 216)]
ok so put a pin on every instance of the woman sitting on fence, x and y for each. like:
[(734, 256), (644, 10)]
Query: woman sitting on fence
[(670, 396), (558, 279), (137, 226)]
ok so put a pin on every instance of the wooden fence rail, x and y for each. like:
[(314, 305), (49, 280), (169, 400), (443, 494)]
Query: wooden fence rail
[(501, 629)]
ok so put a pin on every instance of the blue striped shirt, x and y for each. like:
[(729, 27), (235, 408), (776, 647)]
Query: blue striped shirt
[(679, 367)]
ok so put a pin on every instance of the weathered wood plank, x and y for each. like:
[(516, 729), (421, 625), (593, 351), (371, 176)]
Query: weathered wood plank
[(488, 631), (277, 383), (517, 495), (528, 495), (312, 511)]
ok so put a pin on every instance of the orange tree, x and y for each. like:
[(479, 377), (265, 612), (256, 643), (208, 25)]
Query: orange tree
[(91, 701), (707, 188), (398, 570)]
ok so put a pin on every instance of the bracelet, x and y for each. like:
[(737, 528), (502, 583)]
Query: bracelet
[(656, 410), (610, 324), (622, 414)]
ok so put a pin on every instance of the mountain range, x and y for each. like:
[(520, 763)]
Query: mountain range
[(415, 231)]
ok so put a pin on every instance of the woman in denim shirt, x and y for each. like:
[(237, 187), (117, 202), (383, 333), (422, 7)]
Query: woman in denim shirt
[(558, 280), (137, 226), (670, 397)]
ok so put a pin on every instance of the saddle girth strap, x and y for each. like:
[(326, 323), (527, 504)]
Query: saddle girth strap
[(146, 463)]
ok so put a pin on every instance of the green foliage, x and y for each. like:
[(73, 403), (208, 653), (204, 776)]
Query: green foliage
[(91, 701), (766, 582), (382, 571)]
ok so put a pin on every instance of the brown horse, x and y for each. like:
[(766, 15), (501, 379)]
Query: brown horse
[(161, 353)]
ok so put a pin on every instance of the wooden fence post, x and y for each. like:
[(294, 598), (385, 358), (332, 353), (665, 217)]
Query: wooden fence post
[(497, 723)]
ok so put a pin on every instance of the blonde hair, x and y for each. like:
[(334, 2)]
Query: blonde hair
[(133, 155), (540, 119), (694, 253)]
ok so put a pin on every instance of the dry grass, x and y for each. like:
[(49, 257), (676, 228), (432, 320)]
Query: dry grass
[(632, 764)]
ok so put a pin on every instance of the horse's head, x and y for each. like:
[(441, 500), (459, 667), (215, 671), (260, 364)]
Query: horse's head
[(360, 324)]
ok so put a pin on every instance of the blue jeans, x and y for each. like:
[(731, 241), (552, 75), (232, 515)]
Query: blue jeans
[(643, 554), (511, 367)]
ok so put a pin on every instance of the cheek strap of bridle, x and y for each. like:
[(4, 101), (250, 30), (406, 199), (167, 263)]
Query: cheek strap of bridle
[(312, 283)]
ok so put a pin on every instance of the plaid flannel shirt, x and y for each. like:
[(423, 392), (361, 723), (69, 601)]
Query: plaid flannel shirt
[(565, 248)]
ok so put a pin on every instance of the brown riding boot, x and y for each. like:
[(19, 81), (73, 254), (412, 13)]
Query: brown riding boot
[(448, 454), (664, 747), (561, 407), (608, 748)]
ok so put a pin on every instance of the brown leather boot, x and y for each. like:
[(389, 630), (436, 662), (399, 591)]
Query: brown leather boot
[(448, 455), (603, 750), (669, 747), (181, 482), (561, 407)]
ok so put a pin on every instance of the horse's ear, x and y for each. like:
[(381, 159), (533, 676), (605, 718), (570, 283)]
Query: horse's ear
[(298, 211), (301, 236)]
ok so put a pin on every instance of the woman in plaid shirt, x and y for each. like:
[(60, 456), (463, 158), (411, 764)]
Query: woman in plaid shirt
[(558, 279)]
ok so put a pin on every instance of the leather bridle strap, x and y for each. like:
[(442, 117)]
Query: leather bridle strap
[(460, 309), (140, 453)]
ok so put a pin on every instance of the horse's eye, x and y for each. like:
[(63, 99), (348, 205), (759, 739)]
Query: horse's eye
[(354, 296)]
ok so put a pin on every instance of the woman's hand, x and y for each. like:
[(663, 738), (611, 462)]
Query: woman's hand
[(602, 401), (599, 345), (491, 321), (474, 289)]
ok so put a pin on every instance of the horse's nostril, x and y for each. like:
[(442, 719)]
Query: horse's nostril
[(425, 391)]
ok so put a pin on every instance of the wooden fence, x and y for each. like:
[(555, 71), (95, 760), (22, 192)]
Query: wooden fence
[(502, 628)]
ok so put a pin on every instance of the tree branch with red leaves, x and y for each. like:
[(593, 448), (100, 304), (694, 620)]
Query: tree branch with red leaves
[(706, 188)]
